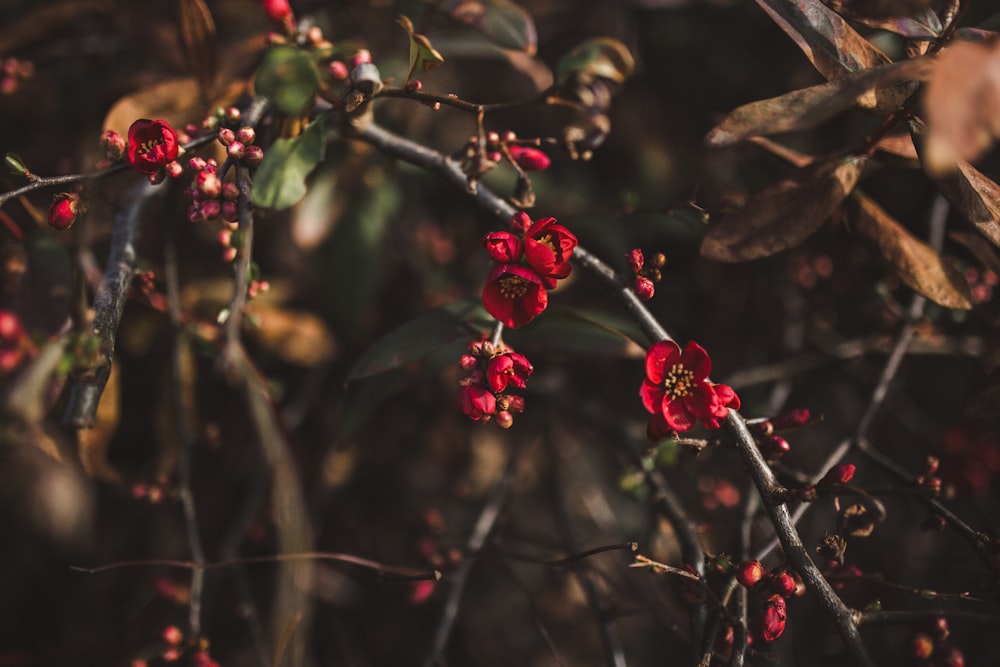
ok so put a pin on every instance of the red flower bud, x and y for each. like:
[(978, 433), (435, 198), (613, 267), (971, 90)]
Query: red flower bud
[(151, 145), (246, 135), (229, 191), (226, 136), (921, 646), (750, 572), (62, 212), (952, 657), (644, 288), (230, 212), (841, 474), (503, 247), (772, 620), (338, 70), (210, 209), (114, 144), (361, 57), (172, 635), (504, 419), (11, 331), (278, 12), (477, 402), (791, 419), (774, 447), (783, 584), (635, 260), (174, 169), (520, 222), (530, 159), (208, 183), (236, 150), (940, 629), (253, 155)]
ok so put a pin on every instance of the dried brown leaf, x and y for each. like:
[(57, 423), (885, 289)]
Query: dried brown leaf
[(807, 108), (198, 38), (174, 100), (784, 214), (899, 145), (912, 260), (984, 253), (962, 104), (789, 155), (975, 195), (911, 22), (831, 44)]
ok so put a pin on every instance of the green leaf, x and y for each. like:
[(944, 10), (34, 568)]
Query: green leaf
[(506, 24), (423, 56), (422, 336), (288, 76), (597, 57), (280, 181)]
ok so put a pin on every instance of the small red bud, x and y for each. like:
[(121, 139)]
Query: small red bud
[(197, 163), (635, 260), (509, 136), (230, 212), (492, 138), (530, 159), (952, 657), (504, 419), (210, 209), (772, 619), (63, 210), (750, 572), (278, 11), (921, 646), (253, 155), (520, 223), (361, 57), (224, 237), (11, 331), (468, 362), (246, 135), (229, 191), (208, 183), (783, 584), (172, 635), (414, 85), (644, 288), (236, 150), (174, 169), (338, 70), (114, 144), (841, 474), (774, 447), (226, 136), (940, 629), (791, 419)]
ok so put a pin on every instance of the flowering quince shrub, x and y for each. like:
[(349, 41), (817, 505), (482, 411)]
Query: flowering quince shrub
[(229, 340)]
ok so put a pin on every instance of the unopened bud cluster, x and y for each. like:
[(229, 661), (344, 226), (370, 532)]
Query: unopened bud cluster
[(211, 198), (12, 73), (239, 145), (643, 278), (766, 432), (930, 647), (485, 392), (14, 342), (772, 588)]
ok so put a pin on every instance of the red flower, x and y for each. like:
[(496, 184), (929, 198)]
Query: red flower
[(477, 401), (151, 145), (676, 385), (510, 368), (514, 294), (503, 247), (63, 210), (278, 11), (530, 159), (772, 620), (547, 248), (750, 572), (725, 398)]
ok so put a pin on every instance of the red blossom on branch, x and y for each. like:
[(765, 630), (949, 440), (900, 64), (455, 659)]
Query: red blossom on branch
[(772, 619), (151, 145), (677, 391), (547, 249), (494, 370), (514, 294), (530, 159)]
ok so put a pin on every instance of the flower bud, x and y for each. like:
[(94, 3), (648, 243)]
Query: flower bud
[(414, 86), (63, 210), (174, 169), (791, 419), (246, 135), (774, 447), (520, 222), (114, 144), (338, 70), (750, 572), (208, 183), (361, 57), (11, 331), (783, 584), (504, 419), (939, 628), (644, 288), (226, 136), (230, 191), (172, 635), (530, 159), (278, 11), (635, 260), (921, 646), (841, 474), (236, 150), (468, 362), (772, 620), (230, 212), (197, 163), (210, 209), (253, 155)]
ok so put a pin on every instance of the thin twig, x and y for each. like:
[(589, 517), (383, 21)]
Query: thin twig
[(910, 616), (484, 526), (241, 269)]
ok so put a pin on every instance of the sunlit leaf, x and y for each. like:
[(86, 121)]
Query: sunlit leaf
[(912, 260), (423, 56), (459, 321), (197, 30), (505, 23), (807, 108), (830, 43), (280, 180), (784, 214), (289, 78), (602, 57), (962, 104)]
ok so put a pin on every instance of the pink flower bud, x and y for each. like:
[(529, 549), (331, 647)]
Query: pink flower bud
[(229, 254), (338, 70), (229, 191), (232, 114), (750, 572), (772, 619), (530, 159), (253, 155), (774, 447), (172, 635), (230, 212), (644, 288), (63, 210), (841, 474), (11, 331), (361, 57), (210, 209), (509, 136), (921, 646), (208, 183), (468, 362), (415, 85), (197, 163), (236, 150), (246, 135), (174, 169), (226, 136), (635, 260), (114, 144), (783, 584)]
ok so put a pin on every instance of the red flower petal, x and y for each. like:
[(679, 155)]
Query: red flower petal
[(652, 396), (660, 357), (696, 360), (677, 416), (514, 294), (503, 247), (151, 145)]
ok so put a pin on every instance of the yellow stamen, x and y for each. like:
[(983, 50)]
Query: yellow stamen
[(513, 287), (679, 381)]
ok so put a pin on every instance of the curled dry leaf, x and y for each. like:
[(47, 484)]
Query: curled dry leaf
[(197, 30), (807, 108), (962, 104), (912, 260), (975, 195), (831, 44), (784, 214)]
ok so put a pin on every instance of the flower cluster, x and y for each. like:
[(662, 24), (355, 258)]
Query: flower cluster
[(677, 392), (14, 341), (528, 260), (152, 144), (494, 371), (644, 278), (773, 588), (210, 197)]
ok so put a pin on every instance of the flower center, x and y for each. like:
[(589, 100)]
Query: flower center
[(513, 287), (150, 146), (679, 381), (547, 240)]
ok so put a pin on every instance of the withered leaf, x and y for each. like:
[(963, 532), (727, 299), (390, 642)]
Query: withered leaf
[(923, 24), (807, 108), (197, 29), (912, 260), (831, 44), (423, 56), (975, 195), (980, 249), (962, 104), (784, 214)]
